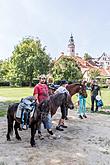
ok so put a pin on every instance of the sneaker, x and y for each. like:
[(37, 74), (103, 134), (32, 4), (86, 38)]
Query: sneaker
[(85, 116), (80, 117), (66, 118), (64, 126), (24, 127), (59, 128), (41, 137), (54, 136), (92, 111)]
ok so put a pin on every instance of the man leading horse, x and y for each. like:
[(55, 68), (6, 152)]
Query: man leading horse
[(41, 93)]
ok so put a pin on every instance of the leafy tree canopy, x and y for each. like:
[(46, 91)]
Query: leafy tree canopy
[(66, 68), (94, 73), (28, 60), (87, 56), (4, 69)]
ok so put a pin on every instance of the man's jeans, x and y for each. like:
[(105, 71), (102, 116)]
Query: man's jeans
[(93, 99)]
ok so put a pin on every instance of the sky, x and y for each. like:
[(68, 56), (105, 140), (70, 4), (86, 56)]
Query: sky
[(53, 21)]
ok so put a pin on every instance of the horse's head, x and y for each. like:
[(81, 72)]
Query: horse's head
[(68, 101), (74, 88), (44, 108)]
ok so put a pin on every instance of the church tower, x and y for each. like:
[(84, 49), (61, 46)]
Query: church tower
[(71, 46)]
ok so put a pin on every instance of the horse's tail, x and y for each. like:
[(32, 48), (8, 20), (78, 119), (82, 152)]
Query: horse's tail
[(10, 119)]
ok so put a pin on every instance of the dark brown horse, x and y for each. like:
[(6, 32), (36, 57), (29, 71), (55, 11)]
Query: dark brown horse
[(39, 114), (72, 88), (56, 100), (51, 105)]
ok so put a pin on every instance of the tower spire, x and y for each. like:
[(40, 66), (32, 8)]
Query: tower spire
[(71, 46)]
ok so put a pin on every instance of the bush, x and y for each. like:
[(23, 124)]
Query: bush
[(5, 83), (103, 86)]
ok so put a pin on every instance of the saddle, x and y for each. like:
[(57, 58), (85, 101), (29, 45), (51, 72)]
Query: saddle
[(26, 108)]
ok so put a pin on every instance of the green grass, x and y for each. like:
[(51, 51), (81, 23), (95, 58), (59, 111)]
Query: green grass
[(2, 113), (15, 94), (11, 95)]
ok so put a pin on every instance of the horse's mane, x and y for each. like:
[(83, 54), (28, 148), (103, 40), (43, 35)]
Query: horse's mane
[(56, 98), (73, 84), (55, 95)]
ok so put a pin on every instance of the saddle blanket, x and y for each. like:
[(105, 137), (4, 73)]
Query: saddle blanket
[(25, 106)]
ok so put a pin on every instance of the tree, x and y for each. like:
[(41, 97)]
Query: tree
[(94, 73), (87, 56), (66, 68), (4, 69), (28, 60)]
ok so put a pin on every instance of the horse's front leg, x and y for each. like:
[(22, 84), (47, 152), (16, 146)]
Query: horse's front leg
[(16, 126), (33, 131)]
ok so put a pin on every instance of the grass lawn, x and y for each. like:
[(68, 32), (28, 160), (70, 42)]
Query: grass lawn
[(10, 95), (15, 94)]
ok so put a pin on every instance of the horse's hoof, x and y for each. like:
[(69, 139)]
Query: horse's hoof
[(8, 138), (20, 129), (33, 145), (18, 138)]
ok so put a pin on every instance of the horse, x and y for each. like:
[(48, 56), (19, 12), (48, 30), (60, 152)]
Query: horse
[(56, 100), (51, 105), (39, 114), (74, 88)]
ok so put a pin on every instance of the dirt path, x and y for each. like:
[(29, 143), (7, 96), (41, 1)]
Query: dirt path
[(84, 142)]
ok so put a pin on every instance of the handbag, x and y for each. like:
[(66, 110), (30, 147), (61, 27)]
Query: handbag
[(99, 103)]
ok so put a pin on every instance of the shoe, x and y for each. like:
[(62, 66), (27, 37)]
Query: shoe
[(24, 127), (92, 111), (85, 116), (96, 110), (64, 126), (59, 128), (80, 117), (41, 137), (66, 118), (54, 136)]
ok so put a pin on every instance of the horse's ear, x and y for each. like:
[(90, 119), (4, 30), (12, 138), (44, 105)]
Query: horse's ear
[(65, 94)]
